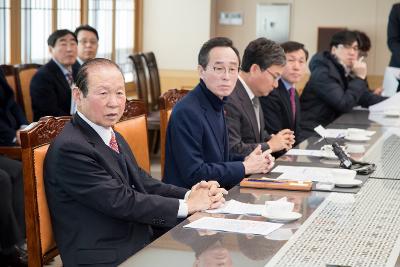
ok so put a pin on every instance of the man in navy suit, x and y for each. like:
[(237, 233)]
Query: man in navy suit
[(103, 206), (51, 86), (197, 140), (282, 107), (262, 66)]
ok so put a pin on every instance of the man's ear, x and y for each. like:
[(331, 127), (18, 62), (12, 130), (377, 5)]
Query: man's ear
[(200, 70), (50, 50), (77, 95), (254, 68)]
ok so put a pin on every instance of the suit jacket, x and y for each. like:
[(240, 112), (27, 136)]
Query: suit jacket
[(241, 120), (393, 35), (329, 93), (196, 148), (277, 111), (50, 92), (102, 205), (11, 115)]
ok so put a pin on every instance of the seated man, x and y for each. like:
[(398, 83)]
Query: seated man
[(51, 86), (262, 66), (103, 207), (88, 42), (337, 83), (12, 119), (281, 107), (197, 141)]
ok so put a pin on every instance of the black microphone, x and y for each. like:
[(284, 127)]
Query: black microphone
[(345, 161)]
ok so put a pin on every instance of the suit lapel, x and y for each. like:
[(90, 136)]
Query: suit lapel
[(212, 120), (106, 152), (285, 97), (62, 80), (248, 108)]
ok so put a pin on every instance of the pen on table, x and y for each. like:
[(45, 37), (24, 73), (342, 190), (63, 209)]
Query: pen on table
[(265, 180)]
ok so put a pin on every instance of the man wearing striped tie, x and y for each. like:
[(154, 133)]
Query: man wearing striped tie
[(103, 206), (262, 66)]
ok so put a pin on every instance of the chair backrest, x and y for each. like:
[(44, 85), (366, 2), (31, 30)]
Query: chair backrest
[(139, 73), (154, 80), (25, 72), (166, 102), (11, 77), (35, 140), (133, 127)]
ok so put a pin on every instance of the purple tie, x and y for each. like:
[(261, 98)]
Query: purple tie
[(293, 102), (70, 79)]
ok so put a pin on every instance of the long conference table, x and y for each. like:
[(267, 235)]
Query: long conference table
[(346, 227)]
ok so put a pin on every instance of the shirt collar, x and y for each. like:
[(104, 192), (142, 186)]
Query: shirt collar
[(104, 133), (64, 70), (287, 84), (80, 61), (246, 87)]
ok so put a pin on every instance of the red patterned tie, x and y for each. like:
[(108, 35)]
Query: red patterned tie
[(113, 143), (293, 102)]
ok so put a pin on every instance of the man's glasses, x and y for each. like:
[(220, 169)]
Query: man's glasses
[(275, 77), (222, 70), (91, 42), (348, 47)]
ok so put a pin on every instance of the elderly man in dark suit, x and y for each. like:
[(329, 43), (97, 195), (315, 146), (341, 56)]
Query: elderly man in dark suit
[(262, 66), (281, 107), (51, 86), (197, 141), (103, 206)]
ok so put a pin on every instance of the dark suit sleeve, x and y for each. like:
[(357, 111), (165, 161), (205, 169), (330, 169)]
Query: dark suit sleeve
[(330, 90), (85, 180), (234, 118), (186, 134), (393, 33), (272, 110), (43, 96)]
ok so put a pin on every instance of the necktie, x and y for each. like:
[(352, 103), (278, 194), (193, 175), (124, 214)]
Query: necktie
[(70, 79), (293, 102), (256, 105), (113, 143)]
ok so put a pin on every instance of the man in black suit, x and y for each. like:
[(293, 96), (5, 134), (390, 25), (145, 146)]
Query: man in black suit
[(88, 42), (281, 107), (51, 86), (262, 66), (103, 206)]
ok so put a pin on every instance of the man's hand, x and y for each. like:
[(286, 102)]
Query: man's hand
[(377, 91), (257, 162), (18, 138), (283, 140), (359, 68), (205, 195)]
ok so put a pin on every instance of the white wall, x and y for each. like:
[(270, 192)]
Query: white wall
[(175, 30)]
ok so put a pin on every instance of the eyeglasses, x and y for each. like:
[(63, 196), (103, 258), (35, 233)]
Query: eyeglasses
[(222, 70), (84, 42), (348, 47), (275, 77)]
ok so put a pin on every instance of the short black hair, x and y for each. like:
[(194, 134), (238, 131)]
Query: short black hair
[(86, 27), (82, 77), (203, 57), (364, 43), (345, 37), (292, 46), (51, 41), (264, 53)]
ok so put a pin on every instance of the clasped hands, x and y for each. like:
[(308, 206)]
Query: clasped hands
[(258, 161), (284, 139), (205, 195)]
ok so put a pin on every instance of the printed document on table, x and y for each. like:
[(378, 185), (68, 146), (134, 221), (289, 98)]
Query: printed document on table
[(390, 104), (236, 207), (316, 174), (234, 225), (310, 152)]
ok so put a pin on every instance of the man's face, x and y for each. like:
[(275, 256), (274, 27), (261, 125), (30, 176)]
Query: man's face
[(295, 66), (346, 54), (105, 102), (262, 82), (65, 50), (222, 71), (87, 45)]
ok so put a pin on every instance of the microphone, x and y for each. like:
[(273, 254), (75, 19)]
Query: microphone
[(345, 161)]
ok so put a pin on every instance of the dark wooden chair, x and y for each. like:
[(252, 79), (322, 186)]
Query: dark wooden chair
[(25, 73), (154, 85), (133, 127), (35, 141), (166, 102)]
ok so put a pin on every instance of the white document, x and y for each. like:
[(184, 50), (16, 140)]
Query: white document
[(388, 106), (236, 207), (310, 152), (316, 174), (340, 133), (234, 225), (390, 81)]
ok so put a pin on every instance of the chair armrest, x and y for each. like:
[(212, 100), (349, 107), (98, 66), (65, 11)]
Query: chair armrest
[(13, 152)]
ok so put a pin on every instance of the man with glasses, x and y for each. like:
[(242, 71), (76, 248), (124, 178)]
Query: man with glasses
[(262, 66), (197, 140), (88, 42), (337, 83)]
